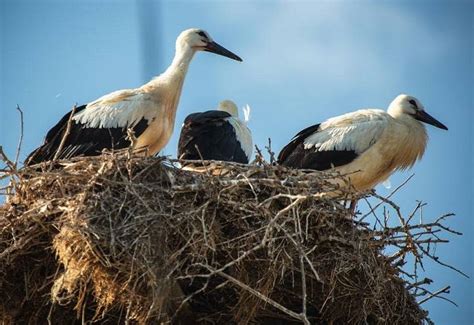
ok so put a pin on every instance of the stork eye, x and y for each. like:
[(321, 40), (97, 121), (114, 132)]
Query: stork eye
[(413, 102), (201, 33)]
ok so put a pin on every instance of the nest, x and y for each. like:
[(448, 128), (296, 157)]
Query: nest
[(116, 239)]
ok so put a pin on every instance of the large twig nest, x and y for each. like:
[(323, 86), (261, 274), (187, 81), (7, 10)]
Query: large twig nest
[(114, 239)]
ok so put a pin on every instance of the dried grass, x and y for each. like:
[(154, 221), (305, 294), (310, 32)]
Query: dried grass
[(115, 239)]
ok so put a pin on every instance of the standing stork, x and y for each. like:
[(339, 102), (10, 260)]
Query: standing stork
[(367, 145), (216, 135), (148, 111)]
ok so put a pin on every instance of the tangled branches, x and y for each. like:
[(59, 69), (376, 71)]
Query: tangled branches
[(139, 239)]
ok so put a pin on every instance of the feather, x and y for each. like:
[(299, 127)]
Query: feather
[(246, 110), (217, 136), (118, 109), (355, 131)]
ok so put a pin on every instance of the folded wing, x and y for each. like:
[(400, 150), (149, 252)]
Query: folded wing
[(214, 135), (99, 125), (336, 142)]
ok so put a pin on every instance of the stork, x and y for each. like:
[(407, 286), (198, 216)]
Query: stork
[(216, 135), (367, 145), (148, 111)]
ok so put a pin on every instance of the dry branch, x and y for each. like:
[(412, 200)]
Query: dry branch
[(20, 140), (58, 152), (117, 239)]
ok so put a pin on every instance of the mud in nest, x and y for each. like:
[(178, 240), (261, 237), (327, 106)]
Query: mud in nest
[(112, 239)]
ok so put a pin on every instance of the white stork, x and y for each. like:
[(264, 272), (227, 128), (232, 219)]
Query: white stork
[(149, 111), (367, 144), (216, 135)]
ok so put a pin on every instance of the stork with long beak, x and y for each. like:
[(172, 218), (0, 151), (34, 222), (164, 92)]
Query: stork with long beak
[(367, 145), (148, 111)]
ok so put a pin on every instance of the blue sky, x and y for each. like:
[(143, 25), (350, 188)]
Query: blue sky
[(303, 62)]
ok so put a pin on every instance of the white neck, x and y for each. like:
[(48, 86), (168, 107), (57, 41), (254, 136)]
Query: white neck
[(165, 90), (176, 72), (415, 137), (398, 114), (180, 64), (167, 86)]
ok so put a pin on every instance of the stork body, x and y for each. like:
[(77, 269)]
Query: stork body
[(368, 145), (148, 111), (216, 135)]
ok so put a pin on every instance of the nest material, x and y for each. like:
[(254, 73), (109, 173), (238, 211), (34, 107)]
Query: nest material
[(112, 239)]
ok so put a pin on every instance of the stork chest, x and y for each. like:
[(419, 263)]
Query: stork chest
[(158, 132), (397, 148)]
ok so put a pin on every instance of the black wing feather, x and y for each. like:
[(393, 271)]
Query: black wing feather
[(295, 155), (297, 139), (81, 140), (208, 135)]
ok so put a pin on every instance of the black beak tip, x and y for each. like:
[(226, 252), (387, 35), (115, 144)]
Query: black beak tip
[(439, 125), (220, 50), (427, 118)]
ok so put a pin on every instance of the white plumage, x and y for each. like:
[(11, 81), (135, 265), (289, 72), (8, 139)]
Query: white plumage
[(246, 110), (242, 132), (149, 111), (353, 131), (367, 144), (107, 112)]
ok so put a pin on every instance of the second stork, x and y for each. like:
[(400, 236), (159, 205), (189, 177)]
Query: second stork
[(216, 135)]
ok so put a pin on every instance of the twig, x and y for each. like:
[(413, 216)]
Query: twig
[(259, 159), (303, 290), (10, 164), (257, 294), (385, 199), (437, 295), (65, 135), (419, 283), (278, 215), (436, 259), (270, 152), (20, 141), (133, 141)]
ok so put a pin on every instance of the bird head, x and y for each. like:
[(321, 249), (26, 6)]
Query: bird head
[(405, 105), (229, 107), (200, 40)]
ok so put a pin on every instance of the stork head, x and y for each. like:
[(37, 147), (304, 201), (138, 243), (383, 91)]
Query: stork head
[(229, 107), (200, 40), (405, 105)]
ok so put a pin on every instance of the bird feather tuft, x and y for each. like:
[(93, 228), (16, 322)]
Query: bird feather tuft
[(387, 184), (246, 110)]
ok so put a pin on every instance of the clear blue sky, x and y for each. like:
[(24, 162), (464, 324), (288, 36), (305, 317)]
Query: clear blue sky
[(303, 62)]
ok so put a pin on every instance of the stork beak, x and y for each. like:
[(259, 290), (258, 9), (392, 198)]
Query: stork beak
[(422, 116), (218, 49)]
